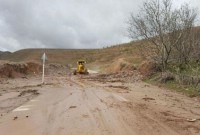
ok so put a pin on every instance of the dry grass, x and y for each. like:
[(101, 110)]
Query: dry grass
[(94, 57)]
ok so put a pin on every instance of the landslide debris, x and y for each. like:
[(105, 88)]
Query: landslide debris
[(123, 76), (15, 70), (34, 92), (21, 70), (57, 69), (120, 65)]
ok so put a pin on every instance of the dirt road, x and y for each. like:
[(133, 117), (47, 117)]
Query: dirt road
[(73, 105)]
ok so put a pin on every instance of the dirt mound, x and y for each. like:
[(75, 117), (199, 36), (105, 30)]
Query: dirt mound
[(123, 76), (57, 69), (120, 65), (14, 70), (34, 68)]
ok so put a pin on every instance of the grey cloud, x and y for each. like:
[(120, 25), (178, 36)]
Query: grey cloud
[(63, 23)]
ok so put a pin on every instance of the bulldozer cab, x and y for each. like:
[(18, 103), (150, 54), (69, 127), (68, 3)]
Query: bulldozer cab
[(81, 62), (81, 69), (81, 66)]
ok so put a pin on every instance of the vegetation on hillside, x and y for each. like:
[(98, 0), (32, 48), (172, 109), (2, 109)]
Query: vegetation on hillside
[(167, 30), (170, 39), (93, 57)]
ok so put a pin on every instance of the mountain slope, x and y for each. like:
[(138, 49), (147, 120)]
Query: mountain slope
[(128, 52)]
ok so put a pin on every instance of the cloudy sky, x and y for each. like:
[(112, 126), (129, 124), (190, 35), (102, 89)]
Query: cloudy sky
[(66, 23)]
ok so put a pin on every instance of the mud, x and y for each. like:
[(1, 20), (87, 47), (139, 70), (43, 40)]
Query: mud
[(94, 105), (121, 76), (26, 92), (17, 92)]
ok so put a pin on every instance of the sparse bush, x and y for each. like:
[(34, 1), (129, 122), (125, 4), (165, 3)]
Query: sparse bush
[(165, 77), (148, 68), (168, 31)]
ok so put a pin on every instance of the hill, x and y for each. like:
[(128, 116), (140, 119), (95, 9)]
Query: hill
[(4, 55), (94, 57)]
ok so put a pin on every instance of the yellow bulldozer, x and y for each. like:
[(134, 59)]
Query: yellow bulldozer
[(81, 69)]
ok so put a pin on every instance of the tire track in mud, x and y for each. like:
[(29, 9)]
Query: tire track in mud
[(145, 117), (93, 108), (53, 119), (76, 106), (56, 118), (55, 115), (105, 117), (151, 120), (141, 121), (102, 114)]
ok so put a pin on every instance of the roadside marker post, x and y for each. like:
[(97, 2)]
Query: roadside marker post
[(44, 58)]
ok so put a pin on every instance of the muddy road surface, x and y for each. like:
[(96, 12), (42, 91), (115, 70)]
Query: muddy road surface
[(76, 105)]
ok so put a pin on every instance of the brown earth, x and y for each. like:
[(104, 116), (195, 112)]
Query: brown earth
[(111, 104), (15, 70), (25, 69)]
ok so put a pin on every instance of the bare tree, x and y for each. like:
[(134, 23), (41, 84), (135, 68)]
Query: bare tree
[(185, 45), (163, 26), (196, 44)]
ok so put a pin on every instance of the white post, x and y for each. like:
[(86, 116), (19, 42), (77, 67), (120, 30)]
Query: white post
[(44, 57), (43, 71)]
